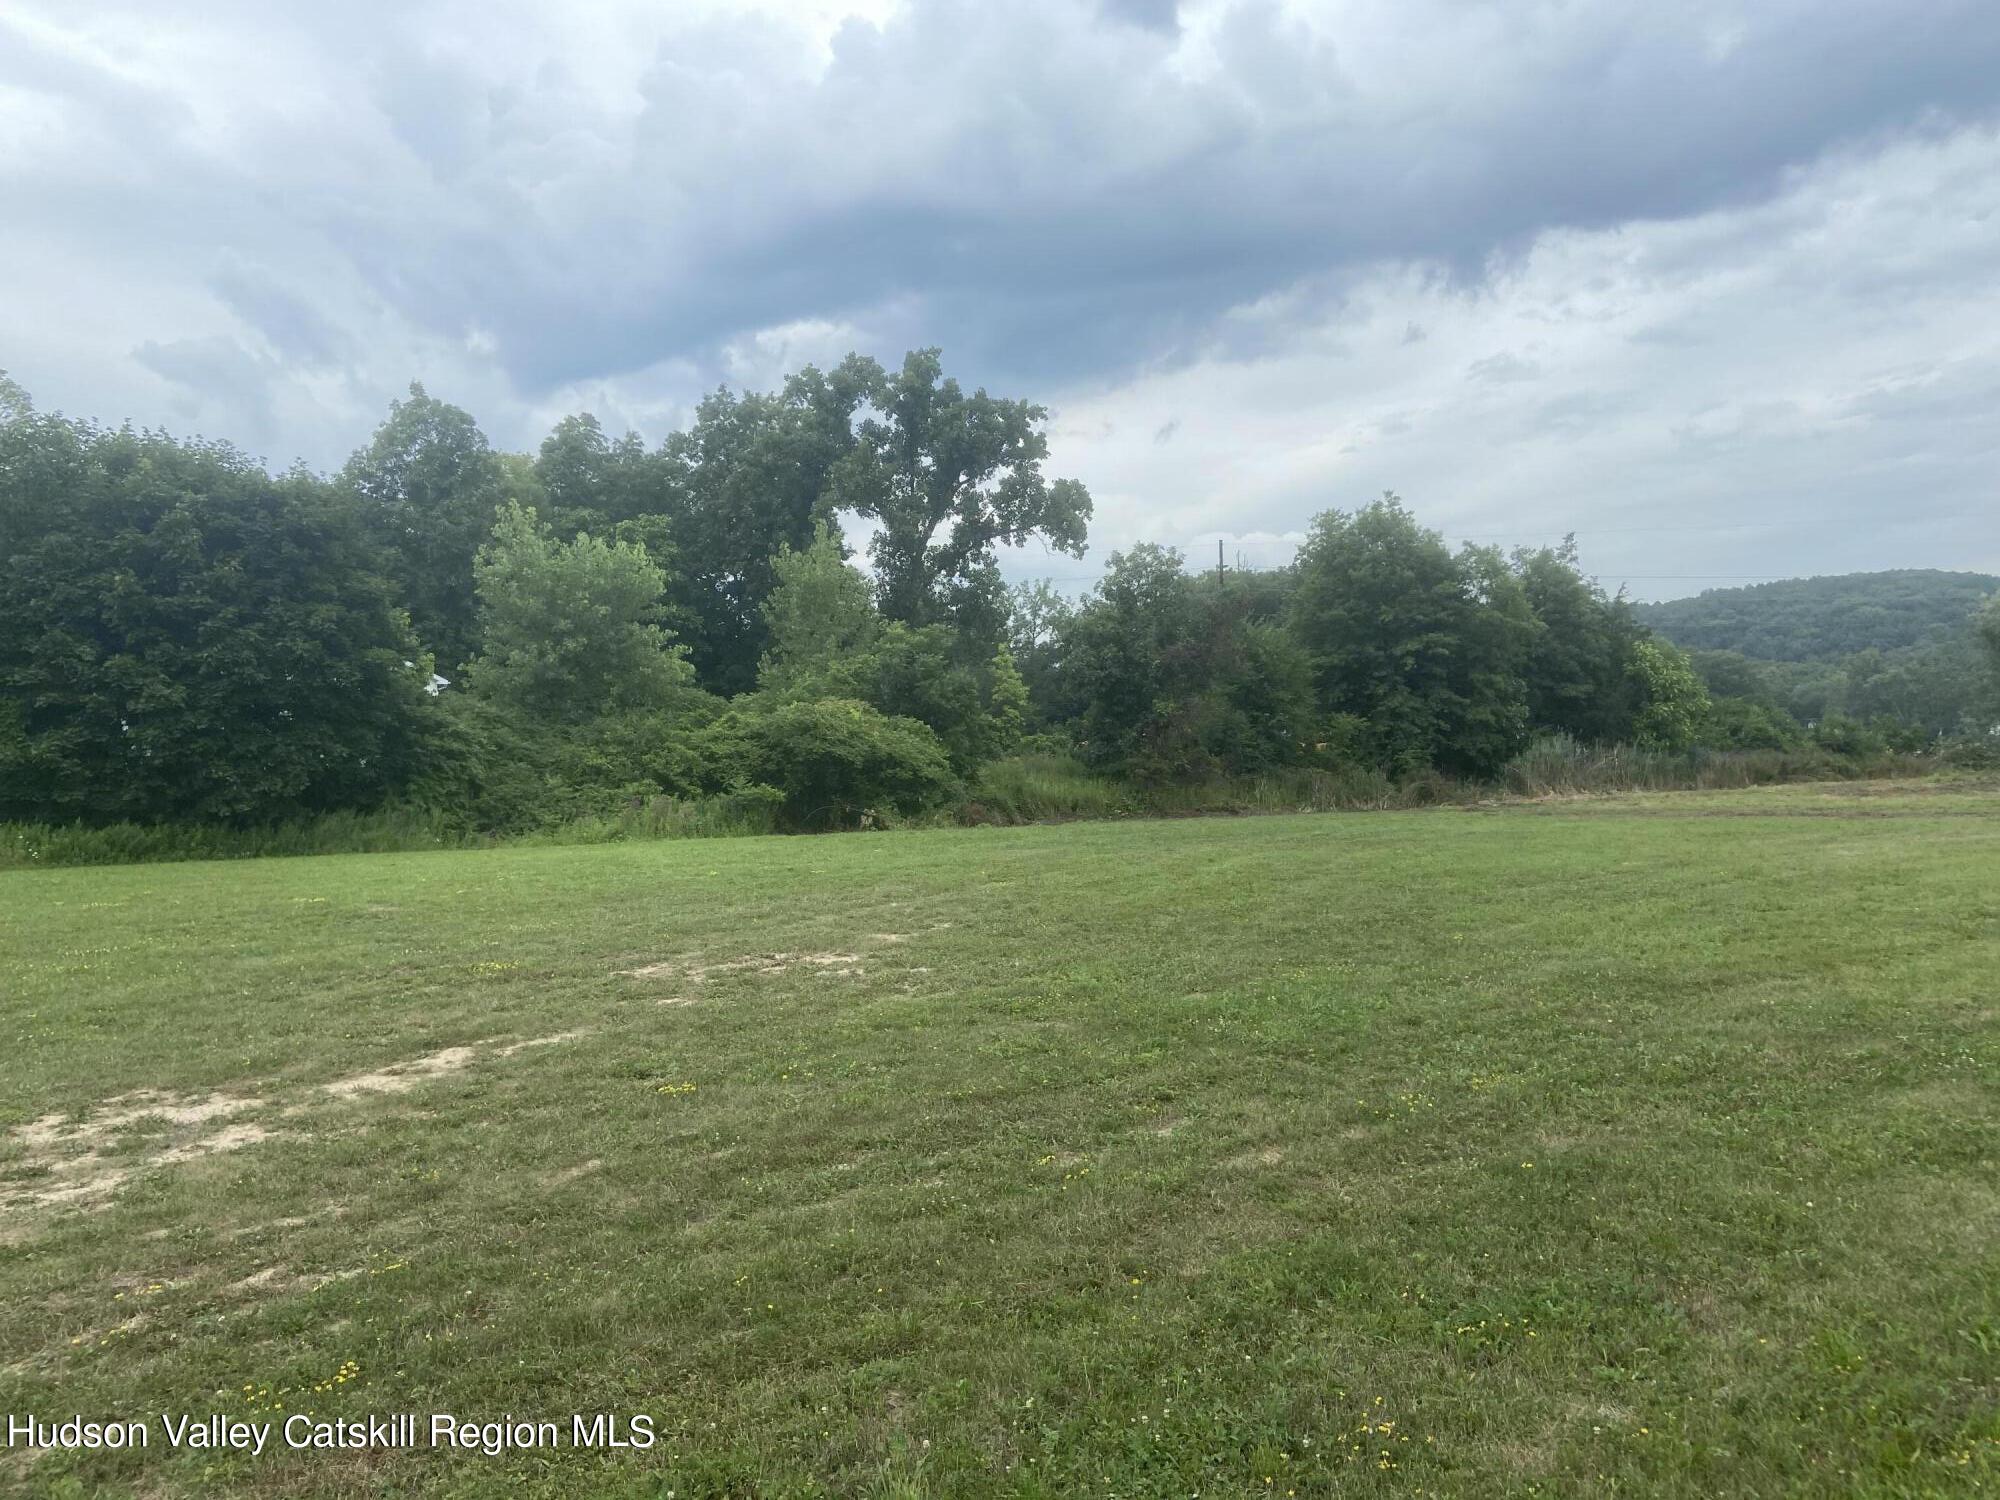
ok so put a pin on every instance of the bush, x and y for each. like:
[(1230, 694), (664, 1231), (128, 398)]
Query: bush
[(1841, 735), (393, 830), (495, 771), (1740, 724), (1971, 753), (837, 762)]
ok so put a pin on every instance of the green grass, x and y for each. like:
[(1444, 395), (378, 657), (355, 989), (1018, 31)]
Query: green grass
[(1605, 1146)]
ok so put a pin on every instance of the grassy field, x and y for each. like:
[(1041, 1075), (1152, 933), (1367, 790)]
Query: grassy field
[(1630, 1146)]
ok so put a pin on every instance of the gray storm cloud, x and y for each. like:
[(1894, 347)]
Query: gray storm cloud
[(241, 215)]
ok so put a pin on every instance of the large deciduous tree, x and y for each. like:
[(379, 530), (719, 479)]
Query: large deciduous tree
[(183, 636), (431, 487), (947, 477), (747, 480), (1422, 646), (1578, 659), (570, 631), (585, 481), (1167, 680)]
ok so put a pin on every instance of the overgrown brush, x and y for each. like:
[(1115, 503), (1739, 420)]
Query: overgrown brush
[(1557, 765), (25, 845), (1035, 788), (1041, 788), (404, 830)]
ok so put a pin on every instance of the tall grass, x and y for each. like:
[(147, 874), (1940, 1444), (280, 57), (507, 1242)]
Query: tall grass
[(24, 845), (665, 818), (1557, 765), (1040, 788), (1024, 789), (401, 830), (1045, 788)]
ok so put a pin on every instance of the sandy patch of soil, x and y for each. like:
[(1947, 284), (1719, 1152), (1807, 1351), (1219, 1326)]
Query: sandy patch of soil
[(571, 1174), (762, 963), (1267, 1156), (62, 1162), (80, 1161), (229, 1138), (539, 1041), (400, 1078)]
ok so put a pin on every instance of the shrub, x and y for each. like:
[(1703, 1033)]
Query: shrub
[(1741, 724), (1849, 737), (496, 771), (1971, 753), (835, 760)]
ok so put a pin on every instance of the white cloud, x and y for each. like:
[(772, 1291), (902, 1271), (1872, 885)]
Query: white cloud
[(1792, 387)]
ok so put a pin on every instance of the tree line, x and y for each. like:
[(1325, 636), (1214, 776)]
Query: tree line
[(1826, 618), (518, 639), (1900, 648)]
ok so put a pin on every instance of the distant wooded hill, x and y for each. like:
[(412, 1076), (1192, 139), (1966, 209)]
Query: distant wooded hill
[(1824, 619)]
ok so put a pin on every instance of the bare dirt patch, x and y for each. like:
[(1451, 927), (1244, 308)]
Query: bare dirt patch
[(86, 1160), (400, 1078), (60, 1161), (1265, 1156), (271, 1278), (571, 1174), (97, 1129), (761, 963), (539, 1041), (229, 1138), (279, 1281)]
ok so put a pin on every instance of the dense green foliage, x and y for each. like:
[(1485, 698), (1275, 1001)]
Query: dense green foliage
[(183, 637), (429, 487), (620, 627), (1823, 619), (1423, 650), (1899, 650), (1578, 658), (1676, 705), (1166, 680), (946, 476), (570, 631), (835, 761), (750, 477)]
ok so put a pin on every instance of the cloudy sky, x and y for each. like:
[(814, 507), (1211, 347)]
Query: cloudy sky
[(1714, 284)]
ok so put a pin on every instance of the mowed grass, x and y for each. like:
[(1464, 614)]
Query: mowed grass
[(1625, 1146)]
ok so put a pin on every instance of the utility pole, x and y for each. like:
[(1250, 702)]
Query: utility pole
[(1218, 565)]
